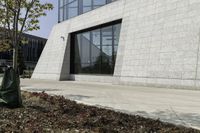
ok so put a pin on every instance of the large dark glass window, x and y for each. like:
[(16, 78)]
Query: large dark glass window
[(94, 51), (72, 8)]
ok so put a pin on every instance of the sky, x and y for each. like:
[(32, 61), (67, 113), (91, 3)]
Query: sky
[(47, 22)]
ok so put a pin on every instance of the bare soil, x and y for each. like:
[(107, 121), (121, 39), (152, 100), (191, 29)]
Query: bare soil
[(43, 113)]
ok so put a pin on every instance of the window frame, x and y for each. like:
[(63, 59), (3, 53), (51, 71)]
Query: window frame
[(64, 5), (111, 59)]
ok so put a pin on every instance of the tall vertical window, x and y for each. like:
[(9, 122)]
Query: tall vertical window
[(94, 51), (72, 8), (98, 3), (87, 5)]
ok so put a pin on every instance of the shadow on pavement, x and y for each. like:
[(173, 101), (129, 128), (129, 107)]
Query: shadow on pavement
[(186, 119), (77, 97), (40, 89), (170, 116)]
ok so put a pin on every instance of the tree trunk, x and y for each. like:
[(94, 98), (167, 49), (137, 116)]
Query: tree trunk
[(15, 53), (15, 44), (15, 57)]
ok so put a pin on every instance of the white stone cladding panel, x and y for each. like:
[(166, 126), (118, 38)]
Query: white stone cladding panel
[(49, 64), (159, 43), (162, 43)]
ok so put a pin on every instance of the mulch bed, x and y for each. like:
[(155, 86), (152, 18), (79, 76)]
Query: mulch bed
[(43, 113)]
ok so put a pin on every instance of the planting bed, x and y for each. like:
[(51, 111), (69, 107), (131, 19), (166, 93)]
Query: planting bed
[(44, 113)]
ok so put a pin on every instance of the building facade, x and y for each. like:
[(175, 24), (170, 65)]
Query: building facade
[(131, 42), (30, 52)]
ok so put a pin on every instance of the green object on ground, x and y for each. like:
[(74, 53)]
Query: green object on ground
[(10, 95)]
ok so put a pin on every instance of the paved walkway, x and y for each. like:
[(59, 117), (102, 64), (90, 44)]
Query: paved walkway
[(171, 105)]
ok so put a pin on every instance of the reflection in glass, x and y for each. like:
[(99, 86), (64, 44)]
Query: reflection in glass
[(61, 13), (95, 51), (107, 35), (87, 5), (98, 3), (72, 8), (85, 48)]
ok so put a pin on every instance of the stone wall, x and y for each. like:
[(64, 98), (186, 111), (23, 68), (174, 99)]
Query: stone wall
[(159, 43), (162, 43)]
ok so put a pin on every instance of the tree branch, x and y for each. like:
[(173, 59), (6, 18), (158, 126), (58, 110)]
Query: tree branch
[(25, 18), (17, 18), (8, 24)]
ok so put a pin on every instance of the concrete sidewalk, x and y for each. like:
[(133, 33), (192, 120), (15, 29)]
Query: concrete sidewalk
[(170, 105)]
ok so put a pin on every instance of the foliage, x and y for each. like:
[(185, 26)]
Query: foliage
[(4, 41), (18, 17)]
